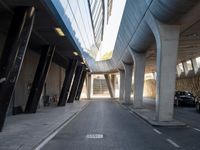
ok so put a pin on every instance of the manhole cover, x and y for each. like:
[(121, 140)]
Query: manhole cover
[(94, 136)]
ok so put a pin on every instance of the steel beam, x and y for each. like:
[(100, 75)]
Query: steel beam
[(13, 55), (75, 84), (69, 74), (39, 79), (81, 85)]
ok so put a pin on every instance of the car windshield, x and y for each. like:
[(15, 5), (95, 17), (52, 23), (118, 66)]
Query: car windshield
[(183, 93)]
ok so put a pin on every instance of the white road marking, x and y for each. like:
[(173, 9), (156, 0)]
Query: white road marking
[(157, 131), (173, 143), (197, 129), (94, 136)]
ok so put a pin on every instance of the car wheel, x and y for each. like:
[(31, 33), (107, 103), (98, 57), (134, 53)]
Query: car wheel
[(198, 107)]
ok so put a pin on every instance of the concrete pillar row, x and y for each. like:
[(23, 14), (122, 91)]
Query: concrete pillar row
[(122, 84), (139, 71), (167, 38), (127, 83)]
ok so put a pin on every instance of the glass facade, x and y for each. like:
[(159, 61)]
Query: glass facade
[(86, 18), (90, 24)]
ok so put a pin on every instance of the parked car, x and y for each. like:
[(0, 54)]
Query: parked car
[(197, 102), (184, 98)]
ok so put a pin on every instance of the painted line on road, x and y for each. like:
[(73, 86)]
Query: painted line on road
[(173, 143), (157, 131), (197, 129), (130, 111), (53, 134)]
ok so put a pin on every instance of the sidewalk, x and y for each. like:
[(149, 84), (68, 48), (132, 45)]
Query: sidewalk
[(27, 131)]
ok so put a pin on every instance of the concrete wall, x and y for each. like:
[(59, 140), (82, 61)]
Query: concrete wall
[(26, 78), (100, 86), (53, 83), (55, 80), (191, 84), (150, 88)]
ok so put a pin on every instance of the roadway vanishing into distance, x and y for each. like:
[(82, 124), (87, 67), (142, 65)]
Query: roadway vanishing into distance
[(106, 125)]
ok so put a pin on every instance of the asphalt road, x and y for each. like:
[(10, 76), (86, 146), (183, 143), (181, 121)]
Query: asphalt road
[(106, 125)]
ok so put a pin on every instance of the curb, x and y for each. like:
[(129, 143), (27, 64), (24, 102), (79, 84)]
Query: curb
[(52, 134), (152, 122)]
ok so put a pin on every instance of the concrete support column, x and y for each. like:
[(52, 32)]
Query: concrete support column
[(89, 78), (167, 38), (139, 72), (109, 84), (13, 55), (113, 78), (194, 65), (167, 50), (127, 83), (75, 85), (122, 84)]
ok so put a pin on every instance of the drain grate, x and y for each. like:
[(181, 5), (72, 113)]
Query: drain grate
[(94, 136)]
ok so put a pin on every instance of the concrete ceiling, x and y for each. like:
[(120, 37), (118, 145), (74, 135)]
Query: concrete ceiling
[(189, 43)]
